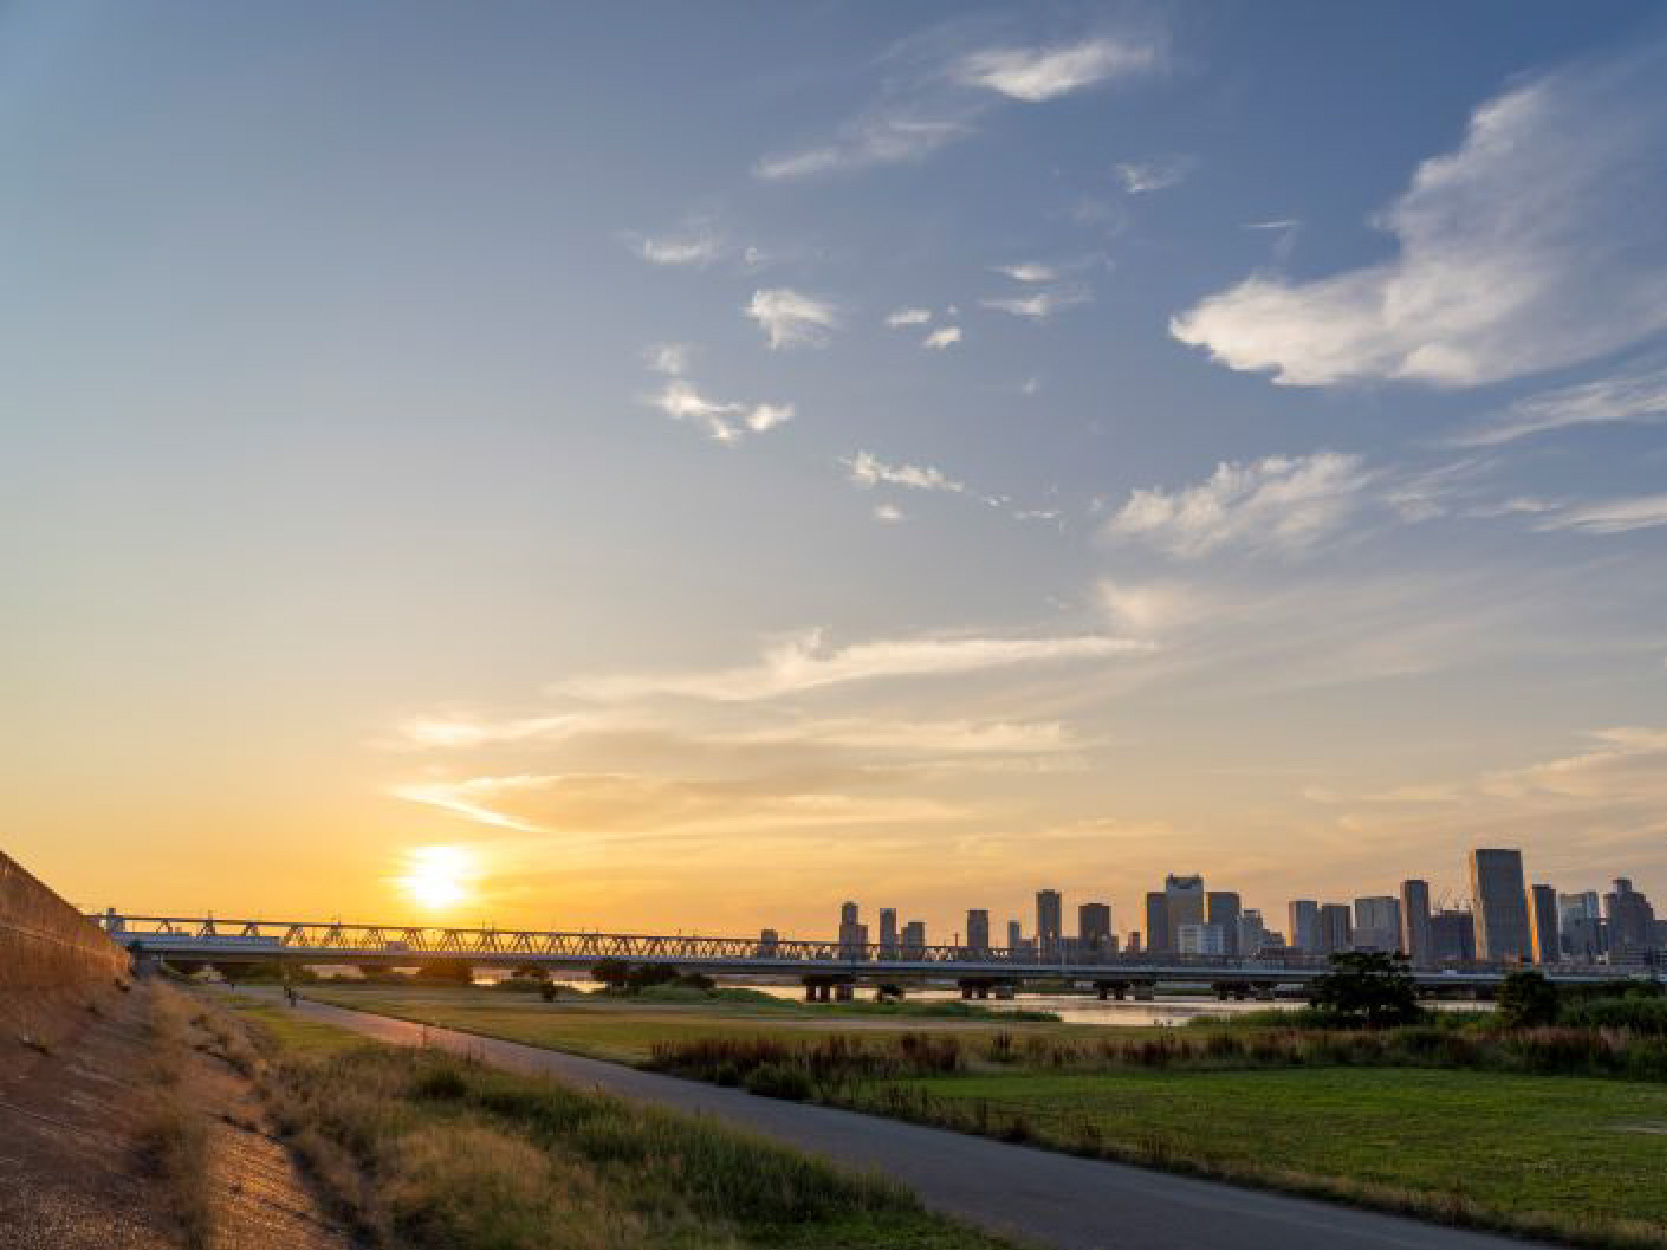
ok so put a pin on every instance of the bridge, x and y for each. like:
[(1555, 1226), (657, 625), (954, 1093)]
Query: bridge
[(825, 967)]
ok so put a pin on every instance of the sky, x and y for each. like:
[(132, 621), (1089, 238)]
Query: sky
[(675, 467)]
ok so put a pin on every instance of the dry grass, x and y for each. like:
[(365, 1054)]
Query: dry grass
[(174, 1133), (427, 1151)]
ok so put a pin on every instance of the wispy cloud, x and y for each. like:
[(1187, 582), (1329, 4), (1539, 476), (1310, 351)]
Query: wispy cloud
[(1627, 762), (791, 319), (1279, 503), (867, 469), (889, 513), (1639, 397), (942, 337), (909, 317), (805, 662), (1035, 74), (723, 420), (930, 101), (1614, 516), (1041, 305), (1143, 177), (1540, 242), (671, 359), (882, 140), (1030, 271), (695, 249)]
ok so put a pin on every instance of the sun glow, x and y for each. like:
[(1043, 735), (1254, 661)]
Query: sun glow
[(439, 877)]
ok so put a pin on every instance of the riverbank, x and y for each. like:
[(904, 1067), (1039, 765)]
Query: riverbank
[(430, 1150)]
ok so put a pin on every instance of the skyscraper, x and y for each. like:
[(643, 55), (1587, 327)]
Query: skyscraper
[(1543, 926), (1305, 926), (1580, 925), (1202, 939), (1500, 904), (914, 939), (1377, 923), (978, 930), (1336, 933), (1253, 934), (1015, 936), (1094, 927), (888, 933), (1452, 937), (1630, 921), (1049, 923), (1157, 922), (1415, 921), (1183, 904), (853, 934), (1221, 908)]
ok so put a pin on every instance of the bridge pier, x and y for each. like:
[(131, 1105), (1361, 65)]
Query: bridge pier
[(845, 992), (1145, 991)]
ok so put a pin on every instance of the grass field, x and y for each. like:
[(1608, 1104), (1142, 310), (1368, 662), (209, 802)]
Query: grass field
[(427, 1151), (626, 1031), (1575, 1157)]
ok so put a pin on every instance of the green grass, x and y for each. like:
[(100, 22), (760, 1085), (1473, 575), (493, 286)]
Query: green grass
[(428, 1151), (626, 1031), (1578, 1157)]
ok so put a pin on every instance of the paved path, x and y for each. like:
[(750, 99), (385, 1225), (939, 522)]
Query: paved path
[(1042, 1198)]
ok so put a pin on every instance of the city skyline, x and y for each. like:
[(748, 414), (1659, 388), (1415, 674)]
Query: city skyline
[(684, 466)]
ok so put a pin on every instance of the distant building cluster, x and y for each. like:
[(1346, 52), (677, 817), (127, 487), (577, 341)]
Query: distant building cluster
[(1504, 920)]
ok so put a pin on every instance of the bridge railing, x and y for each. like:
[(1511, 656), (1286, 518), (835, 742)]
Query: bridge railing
[(202, 936)]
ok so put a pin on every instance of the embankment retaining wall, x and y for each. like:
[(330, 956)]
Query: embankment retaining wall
[(45, 944)]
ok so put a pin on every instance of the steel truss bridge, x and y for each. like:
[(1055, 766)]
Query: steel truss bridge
[(215, 940)]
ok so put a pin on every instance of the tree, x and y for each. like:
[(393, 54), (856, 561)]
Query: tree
[(1527, 1000), (612, 973), (455, 971), (1367, 988)]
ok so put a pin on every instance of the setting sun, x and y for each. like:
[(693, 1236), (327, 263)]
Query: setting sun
[(439, 877)]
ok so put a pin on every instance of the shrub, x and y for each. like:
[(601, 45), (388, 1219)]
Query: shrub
[(1527, 1000), (778, 1080)]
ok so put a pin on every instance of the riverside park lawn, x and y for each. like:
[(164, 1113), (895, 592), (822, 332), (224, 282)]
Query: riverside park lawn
[(1564, 1153), (1579, 1158), (625, 1030)]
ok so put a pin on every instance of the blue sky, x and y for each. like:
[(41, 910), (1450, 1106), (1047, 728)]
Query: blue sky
[(706, 461)]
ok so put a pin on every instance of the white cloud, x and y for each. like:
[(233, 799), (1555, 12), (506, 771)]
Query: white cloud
[(804, 662), (869, 470), (790, 319), (1147, 609), (681, 401), (671, 359), (695, 249), (942, 337), (1278, 503), (1629, 397), (909, 317), (1040, 306), (1037, 74), (889, 513), (1615, 516), (768, 416), (1028, 272), (1541, 241), (1141, 177), (873, 140)]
